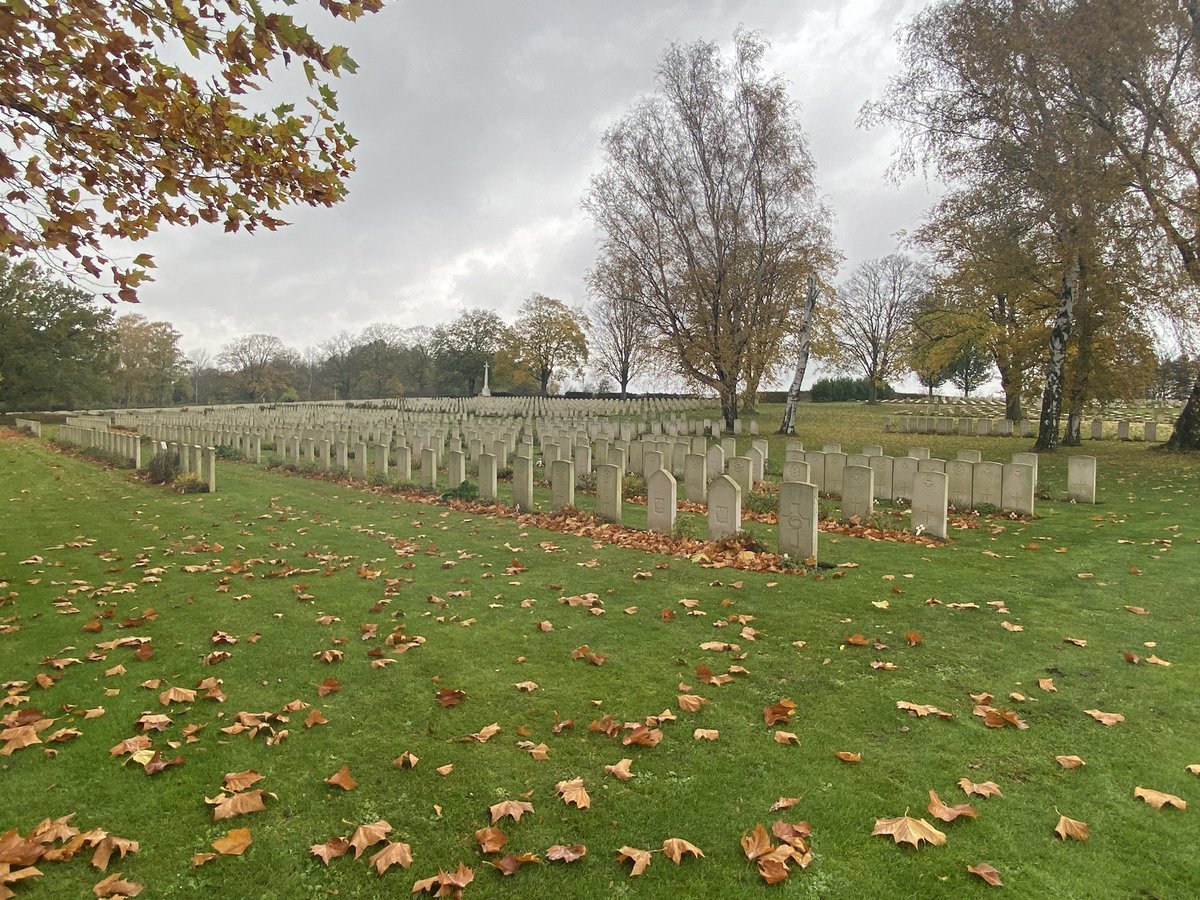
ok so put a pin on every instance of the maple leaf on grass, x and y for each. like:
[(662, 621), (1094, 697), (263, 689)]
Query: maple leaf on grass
[(786, 737), (1071, 828), (1108, 719), (447, 884), (573, 793), (620, 770), (115, 886), (109, 845), (491, 839), (486, 733), (987, 873), (342, 779), (513, 808), (639, 858), (983, 789), (237, 804), (395, 853), (784, 803), (509, 864), (566, 853), (940, 810), (676, 848), (907, 830), (921, 710), (757, 843), (779, 713), (239, 781), (235, 843), (1194, 768), (848, 757), (369, 835), (331, 849), (1069, 762), (1158, 799)]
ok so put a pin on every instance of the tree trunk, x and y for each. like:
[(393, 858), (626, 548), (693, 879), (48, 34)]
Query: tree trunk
[(872, 392), (729, 401), (1186, 435), (1048, 438), (788, 425)]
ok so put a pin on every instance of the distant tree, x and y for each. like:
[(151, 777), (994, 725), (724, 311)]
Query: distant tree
[(866, 328), (259, 365), (1172, 378), (338, 365), (621, 343), (970, 370), (56, 343), (462, 346), (708, 194), (110, 130), (416, 363), (149, 361), (200, 367), (548, 338), (376, 361)]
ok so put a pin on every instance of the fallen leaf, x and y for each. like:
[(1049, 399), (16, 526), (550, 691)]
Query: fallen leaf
[(239, 781), (848, 757), (1071, 828), (566, 853), (706, 734), (757, 843), (786, 737), (675, 849), (513, 808), (369, 835), (510, 864), (639, 858), (573, 793), (1158, 799), (1070, 762), (907, 830), (331, 849), (234, 843), (394, 854), (112, 886), (984, 789), (784, 803), (491, 839), (342, 779), (1104, 718), (941, 811), (987, 873)]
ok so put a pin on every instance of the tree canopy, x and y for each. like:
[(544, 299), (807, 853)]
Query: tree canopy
[(111, 130)]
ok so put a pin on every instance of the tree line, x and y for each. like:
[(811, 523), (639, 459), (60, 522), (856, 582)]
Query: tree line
[(1064, 256)]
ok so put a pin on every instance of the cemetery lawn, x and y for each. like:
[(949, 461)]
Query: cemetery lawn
[(273, 557)]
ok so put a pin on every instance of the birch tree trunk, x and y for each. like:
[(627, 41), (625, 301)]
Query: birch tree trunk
[(788, 425), (1048, 438)]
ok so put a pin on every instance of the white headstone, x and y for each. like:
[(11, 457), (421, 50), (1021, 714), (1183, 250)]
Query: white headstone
[(929, 503), (798, 520), (724, 508), (660, 502)]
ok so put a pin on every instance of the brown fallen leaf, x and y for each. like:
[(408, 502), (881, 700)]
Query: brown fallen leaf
[(1071, 828), (573, 793), (847, 757), (567, 853), (234, 843), (394, 853), (784, 803), (1069, 762), (239, 781), (486, 733), (1194, 768), (1158, 799), (706, 734), (941, 811), (491, 839), (786, 737), (447, 697), (779, 713), (1047, 684), (199, 859), (109, 845), (757, 843), (639, 858), (512, 808), (237, 804), (369, 835), (987, 873), (1108, 719), (112, 886), (921, 710), (331, 849), (509, 864), (907, 830), (448, 884), (690, 702), (620, 770), (342, 779), (526, 687), (675, 849), (983, 789)]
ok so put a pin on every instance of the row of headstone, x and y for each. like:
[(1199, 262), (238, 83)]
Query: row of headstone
[(120, 442), (962, 425), (193, 458), (29, 426)]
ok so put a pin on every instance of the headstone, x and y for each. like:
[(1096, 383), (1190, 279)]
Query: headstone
[(714, 461), (523, 483), (816, 468), (904, 469), (652, 461), (931, 465), (831, 448), (1150, 431), (798, 520), (660, 502), (429, 468), (1097, 428), (835, 466), (1123, 430), (209, 469), (870, 450), (971, 456), (403, 463), (741, 471), (695, 478), (758, 464), (929, 503), (883, 469), (1081, 479), (918, 452), (729, 447), (959, 474), (456, 467), (1017, 488), (381, 461), (608, 493), (858, 492), (987, 483), (487, 477), (796, 471), (562, 484), (583, 458), (1028, 459), (724, 508)]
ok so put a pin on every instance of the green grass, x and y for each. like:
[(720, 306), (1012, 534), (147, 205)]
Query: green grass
[(707, 793)]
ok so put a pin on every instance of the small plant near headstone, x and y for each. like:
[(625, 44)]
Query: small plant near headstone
[(761, 502), (750, 541), (634, 486), (227, 452), (987, 509), (190, 483), (504, 474), (163, 468), (687, 527), (468, 490), (380, 480)]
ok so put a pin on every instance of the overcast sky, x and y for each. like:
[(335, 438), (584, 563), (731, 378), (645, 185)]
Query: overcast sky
[(480, 125)]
